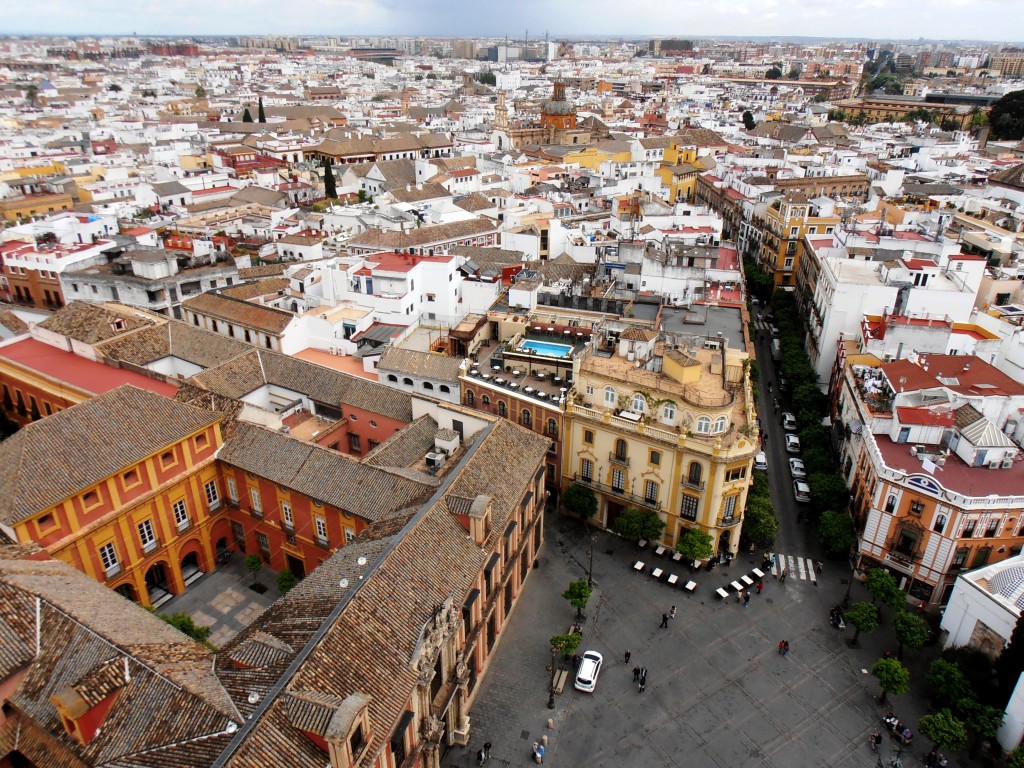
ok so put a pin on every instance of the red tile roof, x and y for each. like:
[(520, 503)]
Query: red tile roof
[(973, 376), (924, 416)]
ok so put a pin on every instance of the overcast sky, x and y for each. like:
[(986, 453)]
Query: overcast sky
[(875, 19)]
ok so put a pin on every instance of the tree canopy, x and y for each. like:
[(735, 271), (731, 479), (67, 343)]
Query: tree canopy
[(566, 644), (1010, 663), (760, 523), (330, 186), (636, 524), (911, 631), (773, 74), (835, 532), (893, 678), (944, 730), (580, 501), (1007, 117), (748, 120), (695, 545), (863, 617), (578, 594), (262, 116), (246, 117), (947, 683), (882, 586)]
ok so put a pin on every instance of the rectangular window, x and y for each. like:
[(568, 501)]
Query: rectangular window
[(286, 516), (940, 523), (916, 508), (618, 481), (736, 473), (587, 469), (108, 556), (147, 537), (212, 495), (969, 529), (232, 489), (353, 442), (656, 458), (651, 492), (990, 531), (257, 502), (264, 545), (181, 514), (350, 535), (588, 436), (321, 530), (729, 507), (238, 534), (689, 507)]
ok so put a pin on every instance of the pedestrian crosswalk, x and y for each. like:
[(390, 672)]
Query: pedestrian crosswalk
[(796, 567)]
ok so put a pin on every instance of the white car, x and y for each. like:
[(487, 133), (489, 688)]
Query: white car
[(590, 668), (792, 444), (789, 422), (797, 469), (761, 462), (801, 491)]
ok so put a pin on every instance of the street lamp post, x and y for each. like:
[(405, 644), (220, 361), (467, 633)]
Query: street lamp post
[(853, 575), (551, 687)]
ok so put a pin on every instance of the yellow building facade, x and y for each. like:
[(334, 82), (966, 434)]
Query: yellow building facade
[(668, 430), (678, 172), (787, 222)]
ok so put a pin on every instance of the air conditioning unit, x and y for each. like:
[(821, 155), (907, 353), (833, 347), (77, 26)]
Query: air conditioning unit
[(995, 465), (435, 460), (1007, 464)]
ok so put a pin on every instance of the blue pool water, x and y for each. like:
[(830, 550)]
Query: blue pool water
[(549, 349)]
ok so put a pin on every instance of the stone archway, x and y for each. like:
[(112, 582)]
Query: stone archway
[(158, 583), (128, 591)]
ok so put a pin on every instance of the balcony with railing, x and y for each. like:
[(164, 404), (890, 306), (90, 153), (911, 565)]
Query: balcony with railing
[(620, 459), (644, 501), (726, 521)]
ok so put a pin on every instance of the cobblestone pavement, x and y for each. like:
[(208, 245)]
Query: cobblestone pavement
[(718, 693)]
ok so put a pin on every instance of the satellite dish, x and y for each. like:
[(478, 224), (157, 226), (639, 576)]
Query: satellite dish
[(361, 561), (232, 727), (253, 697), (343, 583)]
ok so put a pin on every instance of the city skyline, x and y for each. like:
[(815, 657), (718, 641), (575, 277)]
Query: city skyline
[(977, 20)]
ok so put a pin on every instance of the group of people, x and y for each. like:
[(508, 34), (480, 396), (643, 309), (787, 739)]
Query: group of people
[(783, 647), (898, 730), (835, 617), (639, 675), (483, 753)]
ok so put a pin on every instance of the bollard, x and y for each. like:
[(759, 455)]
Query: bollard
[(551, 723)]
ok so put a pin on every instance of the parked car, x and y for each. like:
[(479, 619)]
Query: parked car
[(801, 492), (783, 384), (774, 330), (796, 469), (590, 668), (761, 461), (788, 421), (792, 443)]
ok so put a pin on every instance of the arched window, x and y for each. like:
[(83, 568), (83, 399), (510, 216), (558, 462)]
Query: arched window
[(427, 385), (485, 399), (703, 425), (526, 418), (469, 397), (620, 449), (639, 403), (721, 424), (392, 377), (407, 381), (668, 413), (693, 476), (444, 388), (610, 398), (502, 410)]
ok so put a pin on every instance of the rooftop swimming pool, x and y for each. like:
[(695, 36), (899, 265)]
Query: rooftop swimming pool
[(548, 348)]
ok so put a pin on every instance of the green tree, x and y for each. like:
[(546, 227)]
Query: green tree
[(773, 74), (566, 645), (254, 563), (864, 618), (835, 532), (200, 92), (580, 501), (981, 720), (944, 730), (330, 187), (148, 93), (262, 116), (695, 545), (759, 521), (32, 94), (578, 594), (828, 490), (636, 524), (947, 683), (911, 631), (1007, 117), (1016, 758), (882, 586), (186, 625), (246, 117), (794, 72), (487, 78), (748, 120), (285, 581), (1010, 663), (893, 678)]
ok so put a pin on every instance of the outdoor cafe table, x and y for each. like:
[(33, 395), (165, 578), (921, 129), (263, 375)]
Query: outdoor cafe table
[(737, 586)]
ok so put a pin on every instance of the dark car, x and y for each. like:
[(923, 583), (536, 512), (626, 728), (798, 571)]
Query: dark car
[(783, 384)]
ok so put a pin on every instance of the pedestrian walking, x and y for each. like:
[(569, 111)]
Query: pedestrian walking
[(818, 566), (746, 599), (760, 586), (481, 755), (664, 621), (782, 644), (627, 654), (643, 679), (636, 674), (785, 647), (643, 685), (487, 750), (785, 573), (672, 612)]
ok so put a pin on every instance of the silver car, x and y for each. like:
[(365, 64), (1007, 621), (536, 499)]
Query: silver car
[(797, 469)]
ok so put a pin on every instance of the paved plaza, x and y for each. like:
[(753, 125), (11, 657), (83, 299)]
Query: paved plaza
[(718, 692)]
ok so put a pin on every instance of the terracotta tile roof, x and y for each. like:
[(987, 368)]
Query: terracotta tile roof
[(243, 313), (258, 367), (12, 322), (92, 323), (327, 476), (170, 710), (427, 364), (67, 453), (437, 233), (264, 270), (251, 290), (406, 447), (418, 192), (174, 339), (474, 202)]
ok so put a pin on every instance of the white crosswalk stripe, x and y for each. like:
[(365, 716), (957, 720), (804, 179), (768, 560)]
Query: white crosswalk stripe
[(796, 567)]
